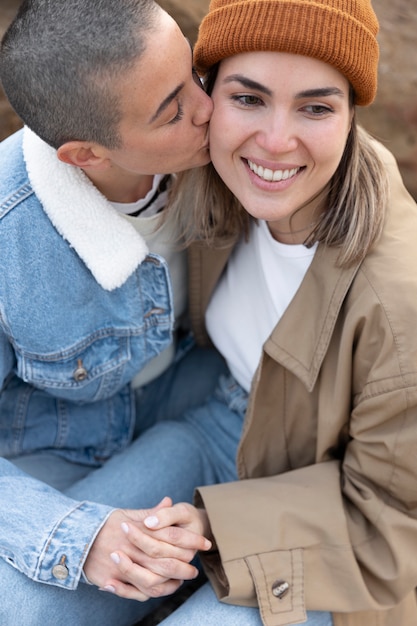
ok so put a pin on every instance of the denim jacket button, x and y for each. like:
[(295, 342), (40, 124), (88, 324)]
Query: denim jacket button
[(80, 373), (280, 589), (60, 571)]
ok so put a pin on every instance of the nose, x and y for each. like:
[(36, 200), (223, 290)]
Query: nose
[(277, 135), (203, 108)]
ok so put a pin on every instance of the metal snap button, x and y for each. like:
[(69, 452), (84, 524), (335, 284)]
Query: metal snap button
[(80, 373), (60, 571), (280, 588)]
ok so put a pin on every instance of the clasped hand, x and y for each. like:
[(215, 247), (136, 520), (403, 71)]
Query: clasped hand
[(142, 554)]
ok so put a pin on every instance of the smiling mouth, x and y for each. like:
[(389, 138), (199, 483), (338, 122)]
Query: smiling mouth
[(272, 175)]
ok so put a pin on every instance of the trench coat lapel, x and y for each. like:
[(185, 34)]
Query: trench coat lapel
[(301, 339)]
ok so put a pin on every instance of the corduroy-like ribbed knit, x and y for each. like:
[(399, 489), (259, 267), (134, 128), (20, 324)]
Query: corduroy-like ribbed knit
[(339, 32)]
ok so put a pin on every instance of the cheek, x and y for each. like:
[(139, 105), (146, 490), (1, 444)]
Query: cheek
[(216, 125), (328, 146), (217, 140), (224, 134)]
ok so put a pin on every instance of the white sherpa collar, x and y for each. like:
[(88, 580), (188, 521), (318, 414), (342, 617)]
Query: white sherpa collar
[(109, 246)]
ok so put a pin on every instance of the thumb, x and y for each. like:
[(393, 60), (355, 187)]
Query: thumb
[(138, 515), (152, 521), (165, 503)]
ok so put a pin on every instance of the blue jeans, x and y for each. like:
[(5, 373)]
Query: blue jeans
[(203, 609), (170, 458)]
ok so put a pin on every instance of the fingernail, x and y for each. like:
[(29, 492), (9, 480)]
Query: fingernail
[(125, 527), (151, 521), (108, 588), (115, 558)]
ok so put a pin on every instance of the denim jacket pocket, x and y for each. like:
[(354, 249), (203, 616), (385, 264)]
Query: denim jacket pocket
[(90, 370)]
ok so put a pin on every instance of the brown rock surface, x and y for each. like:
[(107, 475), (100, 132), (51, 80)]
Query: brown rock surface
[(188, 14), (392, 118)]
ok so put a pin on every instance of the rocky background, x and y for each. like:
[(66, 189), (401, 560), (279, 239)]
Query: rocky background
[(392, 118)]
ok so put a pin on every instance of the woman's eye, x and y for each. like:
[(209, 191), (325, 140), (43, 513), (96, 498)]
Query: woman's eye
[(247, 100), (317, 110), (179, 115)]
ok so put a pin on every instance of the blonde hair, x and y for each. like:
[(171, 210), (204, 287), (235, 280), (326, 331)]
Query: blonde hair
[(352, 220)]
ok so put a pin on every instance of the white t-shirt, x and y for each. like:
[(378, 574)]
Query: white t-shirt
[(159, 202), (260, 280)]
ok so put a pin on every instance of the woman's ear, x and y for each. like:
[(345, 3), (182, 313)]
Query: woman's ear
[(83, 154)]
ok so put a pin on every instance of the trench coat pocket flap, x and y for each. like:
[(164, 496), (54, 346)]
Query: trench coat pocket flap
[(279, 582)]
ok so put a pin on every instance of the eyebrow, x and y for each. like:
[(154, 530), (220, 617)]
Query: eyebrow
[(308, 93), (248, 83), (320, 92)]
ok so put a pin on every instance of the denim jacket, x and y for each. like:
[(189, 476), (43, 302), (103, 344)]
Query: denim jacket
[(83, 308)]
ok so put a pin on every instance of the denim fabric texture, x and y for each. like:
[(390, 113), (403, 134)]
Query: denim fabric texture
[(68, 347), (171, 458)]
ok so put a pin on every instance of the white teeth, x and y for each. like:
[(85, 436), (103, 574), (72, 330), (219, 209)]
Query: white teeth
[(272, 175)]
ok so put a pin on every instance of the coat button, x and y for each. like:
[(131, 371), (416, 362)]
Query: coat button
[(60, 571), (80, 373), (280, 588)]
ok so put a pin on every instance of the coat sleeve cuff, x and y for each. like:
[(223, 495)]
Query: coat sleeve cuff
[(62, 559), (281, 600), (252, 581)]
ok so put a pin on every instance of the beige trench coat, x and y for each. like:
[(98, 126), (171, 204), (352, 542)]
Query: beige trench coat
[(325, 514)]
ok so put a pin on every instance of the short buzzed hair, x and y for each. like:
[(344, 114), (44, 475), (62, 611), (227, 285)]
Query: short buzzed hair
[(60, 61)]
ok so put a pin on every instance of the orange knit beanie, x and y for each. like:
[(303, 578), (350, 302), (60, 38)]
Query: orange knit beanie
[(339, 32)]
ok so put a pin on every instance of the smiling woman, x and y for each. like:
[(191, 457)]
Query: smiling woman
[(286, 133)]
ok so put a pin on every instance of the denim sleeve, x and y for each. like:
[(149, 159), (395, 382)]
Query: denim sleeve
[(6, 356), (43, 533)]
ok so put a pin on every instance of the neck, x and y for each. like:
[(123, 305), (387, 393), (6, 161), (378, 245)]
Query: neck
[(119, 186), (297, 228)]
